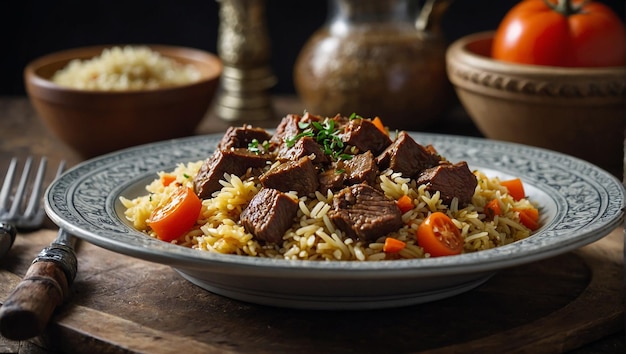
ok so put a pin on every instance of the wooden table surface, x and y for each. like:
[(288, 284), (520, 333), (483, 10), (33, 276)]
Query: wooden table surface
[(572, 302)]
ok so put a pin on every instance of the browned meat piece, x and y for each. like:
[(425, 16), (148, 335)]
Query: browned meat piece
[(233, 161), (288, 127), (340, 120), (451, 180), (431, 149), (361, 168), (331, 179), (365, 213), (240, 137), (363, 134), (299, 175), (407, 156), (305, 146), (308, 117), (269, 214)]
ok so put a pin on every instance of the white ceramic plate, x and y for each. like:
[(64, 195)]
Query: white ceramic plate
[(580, 204)]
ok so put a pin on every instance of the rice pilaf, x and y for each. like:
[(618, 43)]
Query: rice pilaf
[(313, 236)]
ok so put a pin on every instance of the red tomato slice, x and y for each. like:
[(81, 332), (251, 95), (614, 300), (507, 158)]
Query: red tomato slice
[(172, 219), (439, 236)]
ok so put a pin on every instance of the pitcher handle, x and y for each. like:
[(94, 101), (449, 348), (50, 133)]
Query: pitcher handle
[(429, 19)]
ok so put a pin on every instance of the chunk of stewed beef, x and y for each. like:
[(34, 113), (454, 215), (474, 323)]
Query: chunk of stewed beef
[(451, 180), (363, 134), (305, 146), (340, 121), (365, 213), (361, 168), (241, 137), (298, 175), (233, 161), (289, 127), (331, 179), (269, 215), (407, 157)]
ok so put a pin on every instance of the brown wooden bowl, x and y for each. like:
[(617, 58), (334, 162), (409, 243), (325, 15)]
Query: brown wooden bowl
[(577, 111), (97, 122)]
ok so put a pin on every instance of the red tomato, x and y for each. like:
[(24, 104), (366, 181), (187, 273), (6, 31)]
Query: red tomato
[(567, 33), (176, 216), (439, 236)]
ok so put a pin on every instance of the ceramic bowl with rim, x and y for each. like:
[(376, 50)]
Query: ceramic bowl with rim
[(579, 204), (577, 111), (97, 122)]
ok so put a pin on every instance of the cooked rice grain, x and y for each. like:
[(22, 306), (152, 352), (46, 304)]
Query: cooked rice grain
[(313, 236), (125, 69)]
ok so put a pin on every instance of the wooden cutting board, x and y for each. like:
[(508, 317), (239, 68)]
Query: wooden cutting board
[(122, 304)]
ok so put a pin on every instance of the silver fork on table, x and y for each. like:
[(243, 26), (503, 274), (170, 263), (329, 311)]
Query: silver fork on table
[(28, 308), (22, 210)]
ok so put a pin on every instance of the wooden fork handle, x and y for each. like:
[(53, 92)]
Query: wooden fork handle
[(27, 310)]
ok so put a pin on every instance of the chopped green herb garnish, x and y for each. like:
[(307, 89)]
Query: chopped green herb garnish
[(258, 148), (186, 175), (344, 156), (326, 134), (253, 145), (292, 140), (354, 116)]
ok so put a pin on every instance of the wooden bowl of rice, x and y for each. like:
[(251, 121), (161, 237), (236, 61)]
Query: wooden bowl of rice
[(104, 98), (577, 111)]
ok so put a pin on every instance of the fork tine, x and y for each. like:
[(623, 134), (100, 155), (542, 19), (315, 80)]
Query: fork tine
[(60, 169), (35, 196), (21, 188), (23, 213), (6, 186)]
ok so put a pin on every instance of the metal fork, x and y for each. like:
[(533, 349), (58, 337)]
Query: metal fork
[(18, 211), (28, 308)]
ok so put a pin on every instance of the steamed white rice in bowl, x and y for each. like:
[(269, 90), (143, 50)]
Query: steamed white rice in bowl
[(124, 69)]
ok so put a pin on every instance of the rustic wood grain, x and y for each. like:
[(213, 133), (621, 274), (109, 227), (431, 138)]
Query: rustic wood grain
[(119, 303)]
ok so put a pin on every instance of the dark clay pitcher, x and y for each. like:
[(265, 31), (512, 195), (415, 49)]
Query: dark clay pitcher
[(377, 58)]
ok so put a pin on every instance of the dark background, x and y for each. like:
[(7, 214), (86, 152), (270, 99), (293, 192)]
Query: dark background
[(37, 27)]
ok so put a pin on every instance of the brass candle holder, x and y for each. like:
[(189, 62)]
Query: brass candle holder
[(244, 46)]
